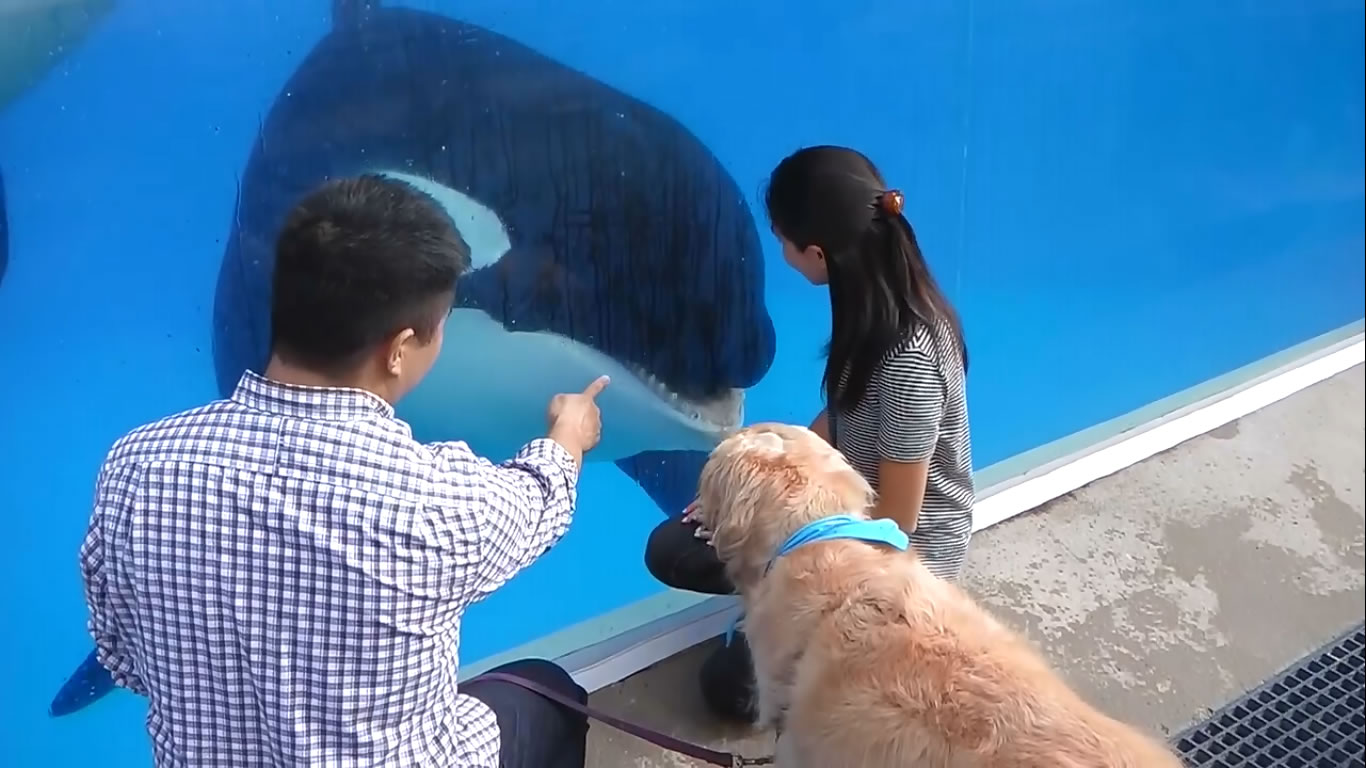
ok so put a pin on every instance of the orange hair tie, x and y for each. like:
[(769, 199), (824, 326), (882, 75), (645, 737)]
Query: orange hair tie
[(892, 201)]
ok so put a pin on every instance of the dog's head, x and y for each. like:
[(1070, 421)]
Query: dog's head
[(766, 481)]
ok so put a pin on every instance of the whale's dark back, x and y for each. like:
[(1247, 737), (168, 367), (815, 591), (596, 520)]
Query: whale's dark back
[(4, 230), (626, 232)]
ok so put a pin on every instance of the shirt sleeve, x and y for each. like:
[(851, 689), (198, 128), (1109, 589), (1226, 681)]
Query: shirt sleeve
[(522, 508), (113, 492), (911, 399)]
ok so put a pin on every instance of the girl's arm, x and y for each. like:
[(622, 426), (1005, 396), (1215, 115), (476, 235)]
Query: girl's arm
[(901, 491), (902, 484), (821, 426), (911, 396)]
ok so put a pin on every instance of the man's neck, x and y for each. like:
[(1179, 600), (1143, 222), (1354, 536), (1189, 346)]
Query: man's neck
[(285, 373)]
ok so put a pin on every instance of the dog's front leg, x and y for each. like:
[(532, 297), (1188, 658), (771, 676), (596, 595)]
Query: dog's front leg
[(786, 754), (770, 707), (771, 690), (775, 656), (771, 693)]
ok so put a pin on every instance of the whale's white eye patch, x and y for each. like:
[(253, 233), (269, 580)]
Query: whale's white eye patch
[(483, 231)]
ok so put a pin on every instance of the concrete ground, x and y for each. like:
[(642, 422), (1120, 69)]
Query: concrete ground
[(1161, 592)]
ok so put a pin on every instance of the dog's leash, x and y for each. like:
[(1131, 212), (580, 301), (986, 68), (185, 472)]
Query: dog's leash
[(661, 740)]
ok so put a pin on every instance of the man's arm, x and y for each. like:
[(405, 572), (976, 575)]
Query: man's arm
[(520, 508), (113, 494)]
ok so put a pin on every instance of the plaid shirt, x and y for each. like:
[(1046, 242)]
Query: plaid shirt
[(283, 574)]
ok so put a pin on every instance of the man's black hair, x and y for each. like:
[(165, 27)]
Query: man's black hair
[(358, 260)]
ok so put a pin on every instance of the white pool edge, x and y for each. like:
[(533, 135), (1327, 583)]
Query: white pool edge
[(618, 657)]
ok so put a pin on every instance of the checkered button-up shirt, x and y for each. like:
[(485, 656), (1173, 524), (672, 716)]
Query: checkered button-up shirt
[(283, 574)]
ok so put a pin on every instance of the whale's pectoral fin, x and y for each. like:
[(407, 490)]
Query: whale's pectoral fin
[(669, 477), (35, 36), (87, 685)]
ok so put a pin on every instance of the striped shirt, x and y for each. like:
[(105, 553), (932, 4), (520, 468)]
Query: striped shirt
[(915, 409), (283, 575)]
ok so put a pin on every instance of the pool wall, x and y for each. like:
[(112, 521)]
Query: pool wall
[(1148, 212)]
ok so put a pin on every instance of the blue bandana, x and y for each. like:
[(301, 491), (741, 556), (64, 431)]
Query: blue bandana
[(834, 528)]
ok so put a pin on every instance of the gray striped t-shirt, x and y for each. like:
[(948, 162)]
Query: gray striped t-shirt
[(915, 409)]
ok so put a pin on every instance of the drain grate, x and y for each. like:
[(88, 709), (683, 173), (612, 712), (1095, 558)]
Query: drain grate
[(1309, 716)]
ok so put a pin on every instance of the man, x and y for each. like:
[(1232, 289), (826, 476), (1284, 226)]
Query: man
[(283, 573)]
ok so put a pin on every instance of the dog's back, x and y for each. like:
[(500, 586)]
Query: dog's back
[(902, 669)]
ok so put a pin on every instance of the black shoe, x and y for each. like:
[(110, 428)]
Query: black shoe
[(727, 680)]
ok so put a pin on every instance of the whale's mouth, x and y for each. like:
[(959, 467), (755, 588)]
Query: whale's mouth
[(488, 240), (721, 413)]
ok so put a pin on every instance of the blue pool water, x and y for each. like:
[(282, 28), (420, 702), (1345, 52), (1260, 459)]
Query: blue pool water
[(1125, 200)]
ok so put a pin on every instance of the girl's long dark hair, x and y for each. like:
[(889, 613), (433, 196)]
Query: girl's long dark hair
[(881, 289)]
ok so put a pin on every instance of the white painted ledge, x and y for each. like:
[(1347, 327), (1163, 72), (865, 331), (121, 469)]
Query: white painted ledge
[(621, 656)]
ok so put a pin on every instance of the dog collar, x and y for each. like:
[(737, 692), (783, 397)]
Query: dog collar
[(833, 528), (844, 527)]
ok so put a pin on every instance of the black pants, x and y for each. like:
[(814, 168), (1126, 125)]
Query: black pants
[(678, 559), (536, 732)]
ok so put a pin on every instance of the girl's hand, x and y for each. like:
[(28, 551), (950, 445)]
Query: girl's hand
[(690, 516)]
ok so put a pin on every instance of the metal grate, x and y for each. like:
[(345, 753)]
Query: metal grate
[(1309, 716)]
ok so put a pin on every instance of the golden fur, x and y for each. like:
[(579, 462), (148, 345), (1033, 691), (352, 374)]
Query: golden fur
[(863, 657)]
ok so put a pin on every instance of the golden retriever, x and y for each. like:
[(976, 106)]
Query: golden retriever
[(863, 658)]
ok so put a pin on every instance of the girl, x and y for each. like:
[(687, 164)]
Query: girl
[(894, 385)]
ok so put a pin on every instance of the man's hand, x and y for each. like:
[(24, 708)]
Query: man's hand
[(574, 419)]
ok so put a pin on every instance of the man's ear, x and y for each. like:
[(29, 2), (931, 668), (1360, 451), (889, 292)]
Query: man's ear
[(396, 348)]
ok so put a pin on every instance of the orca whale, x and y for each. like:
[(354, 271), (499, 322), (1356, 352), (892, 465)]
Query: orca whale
[(622, 236), (605, 238)]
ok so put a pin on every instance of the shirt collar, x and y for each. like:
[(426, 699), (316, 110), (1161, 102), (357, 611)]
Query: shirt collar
[(323, 403)]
